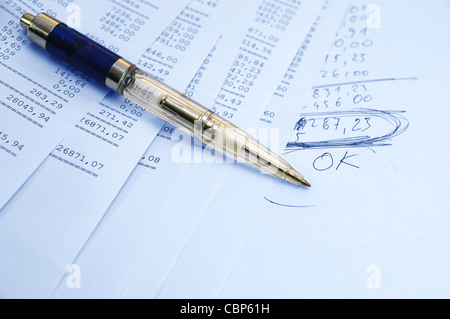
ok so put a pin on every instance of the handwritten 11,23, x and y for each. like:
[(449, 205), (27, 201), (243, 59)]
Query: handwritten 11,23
[(12, 40), (12, 143), (79, 157)]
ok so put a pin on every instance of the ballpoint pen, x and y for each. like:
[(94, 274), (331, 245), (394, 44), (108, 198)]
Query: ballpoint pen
[(172, 106)]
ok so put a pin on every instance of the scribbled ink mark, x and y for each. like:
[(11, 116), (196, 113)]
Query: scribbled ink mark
[(349, 128), (286, 205), (334, 134)]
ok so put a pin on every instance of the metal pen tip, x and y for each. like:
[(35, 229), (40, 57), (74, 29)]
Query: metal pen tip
[(305, 183), (296, 178)]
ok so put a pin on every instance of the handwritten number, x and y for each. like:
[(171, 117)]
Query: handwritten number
[(354, 129), (367, 119)]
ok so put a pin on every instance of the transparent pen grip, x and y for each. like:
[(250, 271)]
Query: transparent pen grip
[(163, 101), (200, 122), (237, 144)]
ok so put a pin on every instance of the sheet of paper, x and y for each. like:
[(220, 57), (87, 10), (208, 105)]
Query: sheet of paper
[(374, 224), (157, 168), (40, 105)]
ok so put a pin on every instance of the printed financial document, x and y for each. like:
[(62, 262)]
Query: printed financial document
[(39, 105), (374, 223)]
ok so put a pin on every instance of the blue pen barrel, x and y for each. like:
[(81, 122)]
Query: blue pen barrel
[(76, 49)]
